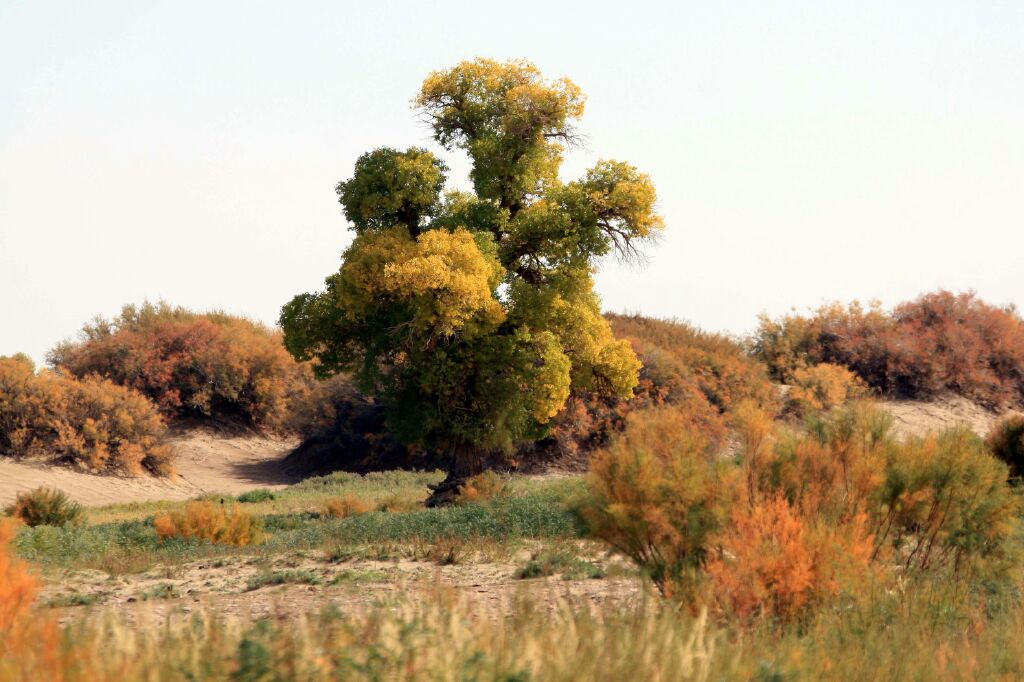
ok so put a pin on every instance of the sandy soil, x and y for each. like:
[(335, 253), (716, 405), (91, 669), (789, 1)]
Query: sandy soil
[(206, 462), (222, 585), (917, 418)]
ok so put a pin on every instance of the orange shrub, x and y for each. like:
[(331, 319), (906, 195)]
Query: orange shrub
[(205, 520), (656, 494), (777, 563), (482, 487), (17, 586), (30, 643), (938, 342), (191, 365), (342, 507), (93, 422), (717, 364)]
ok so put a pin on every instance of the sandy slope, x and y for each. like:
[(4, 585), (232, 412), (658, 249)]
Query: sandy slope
[(206, 462), (916, 418)]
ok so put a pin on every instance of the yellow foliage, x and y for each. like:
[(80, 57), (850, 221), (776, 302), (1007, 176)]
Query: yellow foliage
[(823, 387)]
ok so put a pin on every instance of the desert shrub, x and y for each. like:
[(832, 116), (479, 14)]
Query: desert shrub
[(345, 506), (701, 374), (1006, 442), (938, 342), (483, 487), (210, 365), (718, 365), (18, 588), (945, 503), (90, 422), (256, 495), (657, 494), (216, 523), (45, 507), (776, 562), (823, 387)]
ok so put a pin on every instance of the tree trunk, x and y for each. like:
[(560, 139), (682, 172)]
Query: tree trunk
[(465, 461)]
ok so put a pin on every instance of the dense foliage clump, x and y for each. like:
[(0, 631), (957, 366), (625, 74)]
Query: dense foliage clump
[(938, 342), (192, 365), (206, 520), (1006, 440), (92, 422)]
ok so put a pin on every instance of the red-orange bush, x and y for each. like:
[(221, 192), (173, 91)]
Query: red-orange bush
[(342, 507), (205, 520), (938, 342), (191, 365), (18, 587), (778, 562), (93, 422)]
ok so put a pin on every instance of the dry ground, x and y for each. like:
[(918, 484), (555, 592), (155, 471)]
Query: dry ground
[(206, 462)]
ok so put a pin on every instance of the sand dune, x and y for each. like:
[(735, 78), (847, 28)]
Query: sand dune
[(206, 462)]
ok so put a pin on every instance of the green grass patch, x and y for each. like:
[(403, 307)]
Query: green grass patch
[(289, 577)]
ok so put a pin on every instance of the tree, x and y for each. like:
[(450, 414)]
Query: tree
[(471, 316)]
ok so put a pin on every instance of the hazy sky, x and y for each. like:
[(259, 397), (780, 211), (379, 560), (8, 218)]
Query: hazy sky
[(803, 152)]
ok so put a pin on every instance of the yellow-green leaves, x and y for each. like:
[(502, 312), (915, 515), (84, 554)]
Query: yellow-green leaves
[(510, 119), (446, 281), (391, 187), (449, 281)]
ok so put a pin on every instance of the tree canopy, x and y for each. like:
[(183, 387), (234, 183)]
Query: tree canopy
[(471, 316)]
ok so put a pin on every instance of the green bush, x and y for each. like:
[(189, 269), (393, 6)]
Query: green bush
[(45, 507), (256, 495)]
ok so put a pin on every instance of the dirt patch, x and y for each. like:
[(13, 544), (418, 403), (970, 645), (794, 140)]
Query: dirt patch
[(206, 461), (242, 587), (917, 418)]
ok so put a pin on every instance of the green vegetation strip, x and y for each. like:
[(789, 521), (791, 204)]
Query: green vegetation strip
[(133, 545)]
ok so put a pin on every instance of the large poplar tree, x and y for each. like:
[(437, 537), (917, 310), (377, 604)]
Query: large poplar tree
[(471, 316)]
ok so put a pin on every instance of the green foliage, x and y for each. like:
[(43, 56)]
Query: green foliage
[(256, 495), (472, 317), (391, 187), (45, 507), (559, 562), (289, 577), (90, 422)]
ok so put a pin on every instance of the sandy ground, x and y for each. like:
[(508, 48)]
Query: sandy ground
[(223, 586), (206, 462), (917, 418)]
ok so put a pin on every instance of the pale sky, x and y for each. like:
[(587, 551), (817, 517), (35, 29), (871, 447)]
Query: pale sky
[(803, 151)]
